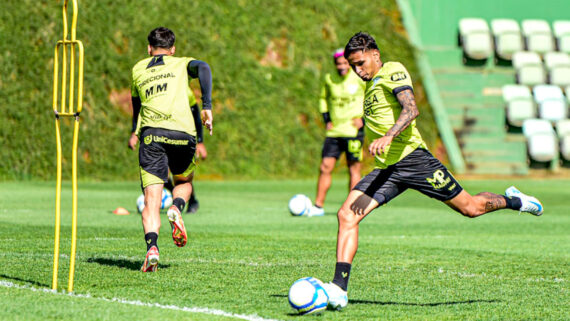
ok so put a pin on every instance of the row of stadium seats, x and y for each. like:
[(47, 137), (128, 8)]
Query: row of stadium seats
[(544, 144), (530, 69), (546, 101), (505, 37)]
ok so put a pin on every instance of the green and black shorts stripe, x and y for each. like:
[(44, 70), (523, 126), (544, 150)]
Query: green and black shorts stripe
[(161, 150), (419, 170)]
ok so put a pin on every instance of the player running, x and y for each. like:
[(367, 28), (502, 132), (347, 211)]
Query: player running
[(201, 152), (167, 132), (340, 103), (402, 160)]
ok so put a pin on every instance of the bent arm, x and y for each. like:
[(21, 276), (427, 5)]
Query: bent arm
[(409, 112), (201, 70)]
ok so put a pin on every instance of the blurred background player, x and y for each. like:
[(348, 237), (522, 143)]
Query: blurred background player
[(340, 103), (402, 161), (167, 133), (201, 151)]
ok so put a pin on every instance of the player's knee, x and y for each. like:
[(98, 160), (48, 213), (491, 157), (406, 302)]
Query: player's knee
[(346, 217), (325, 168)]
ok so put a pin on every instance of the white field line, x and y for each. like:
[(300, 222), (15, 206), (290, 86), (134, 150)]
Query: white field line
[(249, 317)]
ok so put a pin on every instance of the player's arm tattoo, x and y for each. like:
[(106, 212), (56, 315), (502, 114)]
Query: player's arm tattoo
[(408, 114), (493, 201)]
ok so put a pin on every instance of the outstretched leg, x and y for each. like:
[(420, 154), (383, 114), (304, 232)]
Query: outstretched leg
[(485, 202)]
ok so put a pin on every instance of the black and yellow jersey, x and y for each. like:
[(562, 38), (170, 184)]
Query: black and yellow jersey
[(161, 83), (382, 109)]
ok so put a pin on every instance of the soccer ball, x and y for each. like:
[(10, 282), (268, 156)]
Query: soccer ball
[(300, 205), (165, 203), (308, 296)]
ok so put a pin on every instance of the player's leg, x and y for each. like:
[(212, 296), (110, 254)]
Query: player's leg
[(330, 153), (426, 174), (373, 190), (182, 165), (354, 168), (486, 202), (193, 204), (151, 225), (325, 179), (153, 174)]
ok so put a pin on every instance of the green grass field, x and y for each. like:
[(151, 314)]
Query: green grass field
[(417, 260)]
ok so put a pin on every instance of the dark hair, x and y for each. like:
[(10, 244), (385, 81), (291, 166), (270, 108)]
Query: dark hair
[(161, 37), (360, 41)]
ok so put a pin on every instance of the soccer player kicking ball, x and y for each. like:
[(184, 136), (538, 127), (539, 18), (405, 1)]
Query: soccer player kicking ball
[(167, 133), (402, 160), (340, 103)]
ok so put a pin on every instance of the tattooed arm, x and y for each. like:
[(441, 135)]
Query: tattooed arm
[(408, 114)]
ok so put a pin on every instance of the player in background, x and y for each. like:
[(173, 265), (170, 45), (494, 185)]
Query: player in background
[(340, 104), (167, 133), (201, 151), (402, 161)]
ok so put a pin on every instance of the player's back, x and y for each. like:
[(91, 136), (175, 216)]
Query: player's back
[(161, 82)]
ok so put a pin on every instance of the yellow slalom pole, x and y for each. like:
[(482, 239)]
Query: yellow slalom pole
[(66, 98)]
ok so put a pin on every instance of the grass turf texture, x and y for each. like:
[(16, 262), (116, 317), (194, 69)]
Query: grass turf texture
[(417, 259)]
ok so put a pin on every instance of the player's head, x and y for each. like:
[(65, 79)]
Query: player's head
[(341, 64), (161, 41), (363, 55)]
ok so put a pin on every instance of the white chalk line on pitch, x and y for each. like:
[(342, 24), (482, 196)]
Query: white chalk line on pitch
[(209, 311)]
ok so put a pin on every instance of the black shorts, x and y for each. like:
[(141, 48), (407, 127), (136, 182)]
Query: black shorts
[(352, 146), (162, 149), (419, 170)]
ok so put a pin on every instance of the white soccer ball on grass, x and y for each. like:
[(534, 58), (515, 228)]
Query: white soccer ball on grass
[(300, 204), (308, 296)]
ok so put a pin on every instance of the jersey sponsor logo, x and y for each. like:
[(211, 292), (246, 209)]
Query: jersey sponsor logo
[(355, 148), (165, 140), (154, 114), (368, 104), (398, 76), (159, 88), (439, 180), (156, 77)]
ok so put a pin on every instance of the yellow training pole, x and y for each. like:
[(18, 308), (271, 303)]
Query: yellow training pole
[(67, 98)]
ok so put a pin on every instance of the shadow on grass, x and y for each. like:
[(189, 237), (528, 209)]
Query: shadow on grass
[(431, 304), (4, 276), (122, 263)]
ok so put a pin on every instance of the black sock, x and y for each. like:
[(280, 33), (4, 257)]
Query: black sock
[(180, 203), (150, 239), (513, 202), (341, 274), (317, 206), (192, 198)]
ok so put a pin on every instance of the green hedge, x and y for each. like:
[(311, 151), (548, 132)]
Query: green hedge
[(266, 118)]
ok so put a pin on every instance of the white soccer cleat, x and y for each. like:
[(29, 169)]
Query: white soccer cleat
[(338, 299), (529, 203), (315, 211)]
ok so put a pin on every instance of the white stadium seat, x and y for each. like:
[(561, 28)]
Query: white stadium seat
[(508, 39), (562, 34), (529, 69), (538, 35), (475, 38), (558, 66), (541, 140), (551, 102), (563, 127), (519, 103)]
